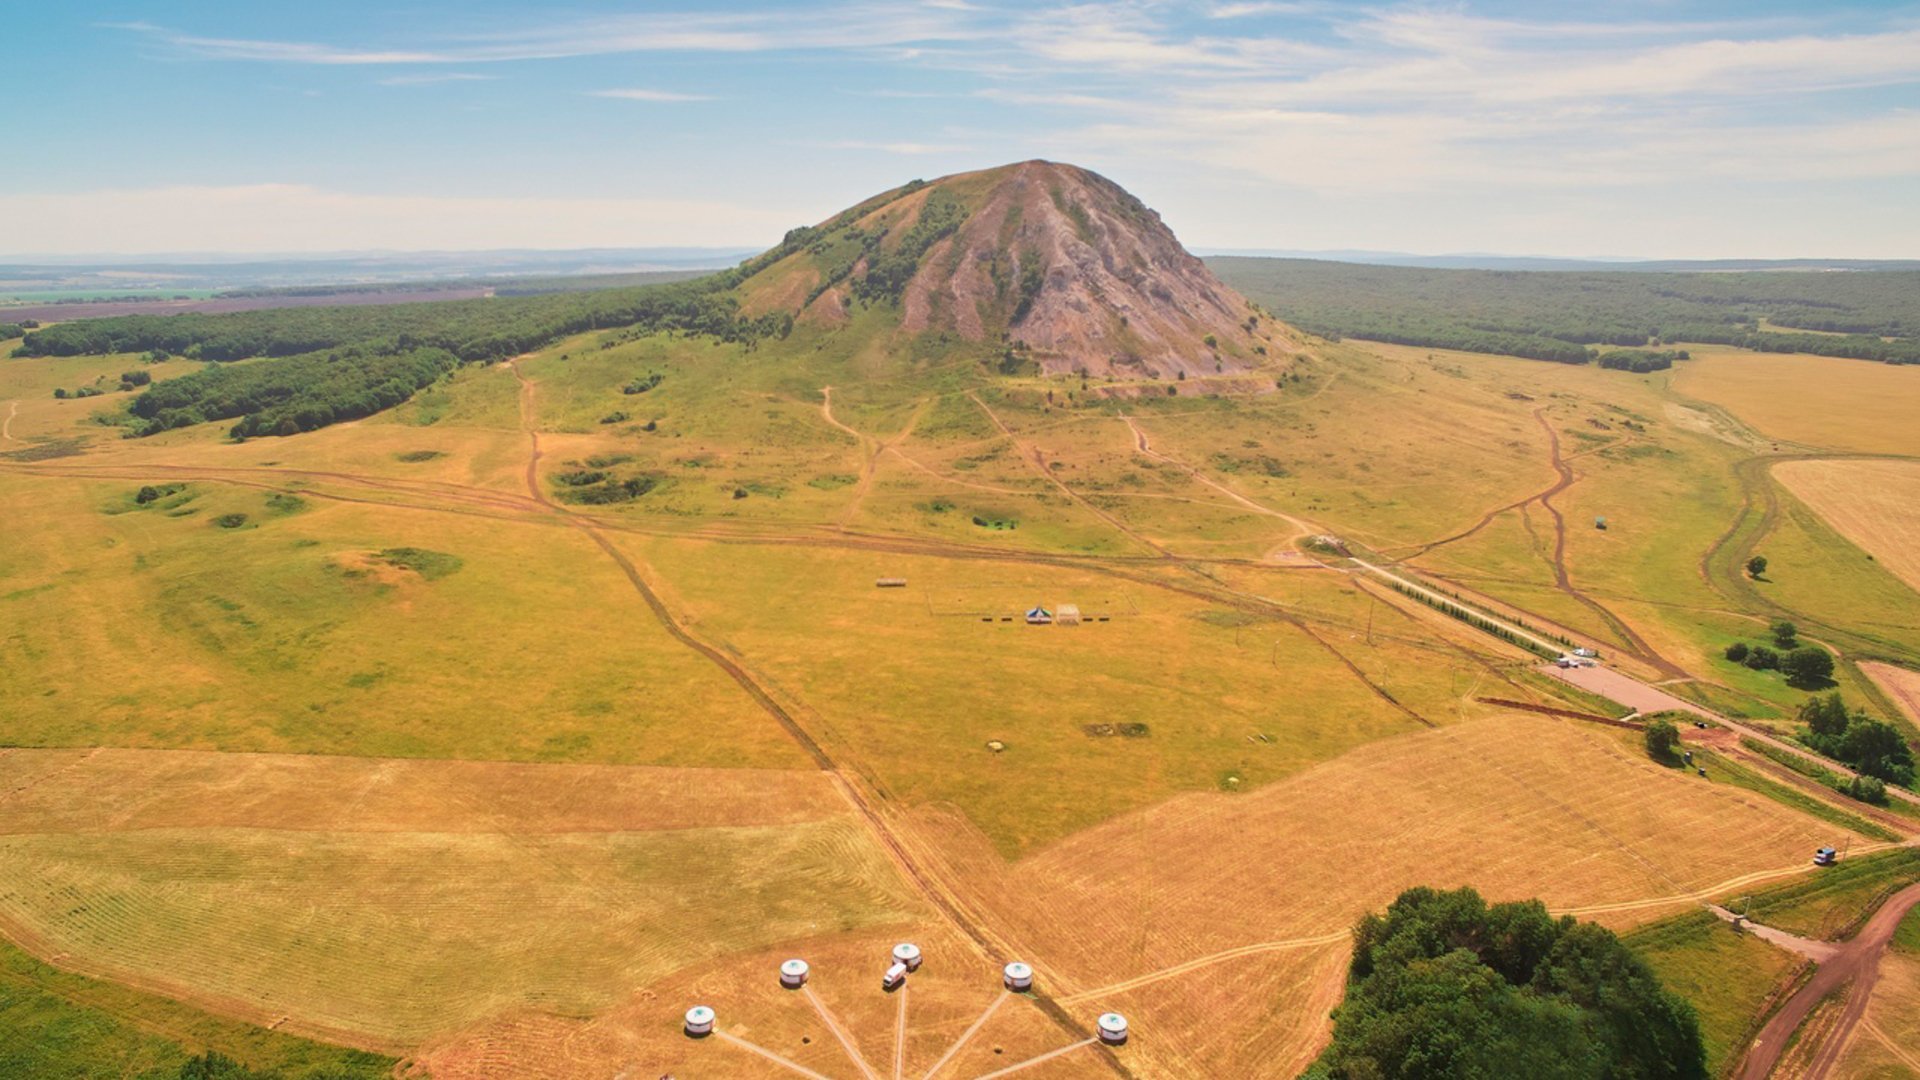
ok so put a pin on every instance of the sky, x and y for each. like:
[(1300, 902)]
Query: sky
[(1649, 128)]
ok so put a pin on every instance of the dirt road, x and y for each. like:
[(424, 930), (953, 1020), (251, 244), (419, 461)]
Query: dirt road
[(847, 782), (1856, 962), (1635, 694), (6, 428)]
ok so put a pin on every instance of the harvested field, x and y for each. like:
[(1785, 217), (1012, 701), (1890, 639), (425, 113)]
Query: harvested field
[(1822, 401), (383, 903), (1901, 685), (1886, 1043), (1156, 908), (1875, 504), (642, 1034)]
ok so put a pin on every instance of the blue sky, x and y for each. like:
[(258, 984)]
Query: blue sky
[(1646, 127)]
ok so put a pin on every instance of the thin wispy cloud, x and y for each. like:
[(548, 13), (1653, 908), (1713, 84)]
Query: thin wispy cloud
[(432, 79), (1339, 101), (642, 94), (908, 149)]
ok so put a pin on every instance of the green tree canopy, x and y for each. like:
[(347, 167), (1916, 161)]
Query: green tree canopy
[(1662, 737), (1808, 666), (1442, 985)]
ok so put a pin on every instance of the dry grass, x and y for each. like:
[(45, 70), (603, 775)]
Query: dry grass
[(1822, 401), (1901, 685), (385, 903), (1886, 1044), (1166, 908), (1875, 504)]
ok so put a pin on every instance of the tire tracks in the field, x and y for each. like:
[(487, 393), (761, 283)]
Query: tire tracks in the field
[(6, 427), (942, 900)]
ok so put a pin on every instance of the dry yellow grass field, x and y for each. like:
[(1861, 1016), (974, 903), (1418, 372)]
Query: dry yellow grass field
[(1875, 504), (1817, 401), (1901, 685), (385, 903), (1886, 1043), (1169, 910)]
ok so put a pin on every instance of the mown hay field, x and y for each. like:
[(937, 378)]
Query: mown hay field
[(1165, 908), (387, 903), (1876, 504), (1174, 694), (1817, 401)]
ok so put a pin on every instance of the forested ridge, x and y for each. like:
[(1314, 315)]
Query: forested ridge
[(1551, 315)]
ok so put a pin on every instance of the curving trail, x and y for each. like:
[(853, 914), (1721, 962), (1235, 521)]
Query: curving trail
[(6, 427), (847, 782), (1856, 962)]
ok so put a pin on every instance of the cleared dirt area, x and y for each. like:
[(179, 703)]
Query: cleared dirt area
[(1614, 686), (1172, 910), (384, 903), (1875, 504)]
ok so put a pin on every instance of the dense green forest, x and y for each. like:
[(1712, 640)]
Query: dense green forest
[(1556, 316), (327, 364), (473, 330), (1444, 985), (293, 394)]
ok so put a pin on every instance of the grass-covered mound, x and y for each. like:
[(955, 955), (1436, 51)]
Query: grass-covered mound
[(1443, 985)]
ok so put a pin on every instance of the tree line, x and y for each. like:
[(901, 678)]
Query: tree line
[(291, 394), (472, 330), (1557, 315)]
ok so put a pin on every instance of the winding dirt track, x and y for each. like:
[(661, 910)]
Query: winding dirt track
[(851, 787), (6, 427), (1857, 962)]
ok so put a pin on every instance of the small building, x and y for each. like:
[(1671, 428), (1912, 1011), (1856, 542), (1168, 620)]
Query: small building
[(1113, 1028), (890, 583), (1826, 856), (907, 953), (1566, 662), (1067, 615), (1018, 977), (1039, 616), (699, 1022), (1585, 653), (793, 974), (895, 977)]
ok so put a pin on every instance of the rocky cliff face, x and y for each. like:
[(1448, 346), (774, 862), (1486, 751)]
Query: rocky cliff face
[(1052, 259)]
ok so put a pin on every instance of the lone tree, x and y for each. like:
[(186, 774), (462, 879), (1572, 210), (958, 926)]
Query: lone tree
[(1785, 634), (1761, 658), (1662, 737), (1756, 566), (1808, 666), (1737, 652)]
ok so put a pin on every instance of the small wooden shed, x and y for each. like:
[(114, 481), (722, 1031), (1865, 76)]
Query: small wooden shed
[(1067, 615)]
